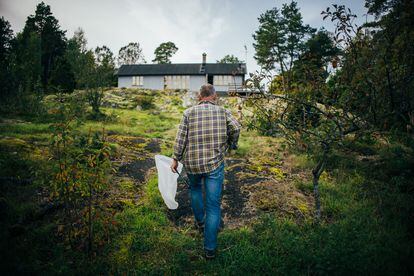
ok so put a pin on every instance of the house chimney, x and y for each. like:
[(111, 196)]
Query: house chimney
[(204, 58)]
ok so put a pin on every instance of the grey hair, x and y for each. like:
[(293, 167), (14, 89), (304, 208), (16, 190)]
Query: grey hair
[(207, 90)]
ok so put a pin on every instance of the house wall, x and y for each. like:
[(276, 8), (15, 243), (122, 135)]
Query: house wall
[(125, 81), (196, 82), (157, 82), (154, 82), (224, 88), (150, 82)]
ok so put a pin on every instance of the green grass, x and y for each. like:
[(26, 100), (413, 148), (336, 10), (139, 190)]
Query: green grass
[(135, 123), (365, 229), (131, 122), (25, 130), (357, 242), (147, 241)]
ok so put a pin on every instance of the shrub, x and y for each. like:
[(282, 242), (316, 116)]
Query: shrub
[(145, 101), (80, 173), (177, 101)]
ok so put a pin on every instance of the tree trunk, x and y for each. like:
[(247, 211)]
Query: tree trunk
[(316, 195), (316, 172), (90, 236)]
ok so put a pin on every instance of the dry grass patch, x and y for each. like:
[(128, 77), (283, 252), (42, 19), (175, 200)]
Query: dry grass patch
[(280, 197)]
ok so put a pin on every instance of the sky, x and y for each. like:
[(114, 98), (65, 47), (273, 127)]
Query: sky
[(216, 27)]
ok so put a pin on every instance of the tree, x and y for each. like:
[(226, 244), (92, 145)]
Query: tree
[(100, 75), (80, 167), (28, 62), (76, 54), (312, 66), (105, 63), (6, 51), (80, 40), (164, 52), (297, 108), (375, 74), (309, 126), (230, 59), (52, 38), (88, 67), (280, 40), (131, 54), (6, 37), (62, 78)]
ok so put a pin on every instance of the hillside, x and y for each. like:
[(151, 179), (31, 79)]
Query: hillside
[(267, 202)]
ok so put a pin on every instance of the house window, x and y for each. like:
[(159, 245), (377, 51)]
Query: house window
[(223, 80), (177, 82), (137, 80)]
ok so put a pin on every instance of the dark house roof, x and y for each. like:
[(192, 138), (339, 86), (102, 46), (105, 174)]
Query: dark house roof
[(183, 69)]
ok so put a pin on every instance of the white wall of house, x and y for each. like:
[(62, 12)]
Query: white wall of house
[(157, 82), (196, 82), (124, 81), (149, 82), (154, 82), (238, 80)]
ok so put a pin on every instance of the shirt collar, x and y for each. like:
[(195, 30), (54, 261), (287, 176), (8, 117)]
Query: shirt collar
[(206, 101)]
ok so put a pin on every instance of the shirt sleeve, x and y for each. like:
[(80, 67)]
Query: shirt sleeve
[(181, 139), (233, 130)]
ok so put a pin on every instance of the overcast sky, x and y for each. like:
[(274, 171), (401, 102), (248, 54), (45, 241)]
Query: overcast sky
[(217, 27)]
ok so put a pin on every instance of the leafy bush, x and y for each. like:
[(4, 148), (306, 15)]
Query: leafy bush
[(145, 101), (81, 167), (176, 100)]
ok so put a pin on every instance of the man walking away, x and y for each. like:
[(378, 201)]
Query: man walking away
[(205, 133)]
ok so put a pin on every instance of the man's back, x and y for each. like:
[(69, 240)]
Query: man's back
[(205, 133)]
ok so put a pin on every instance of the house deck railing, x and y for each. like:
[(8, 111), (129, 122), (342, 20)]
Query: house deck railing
[(241, 90)]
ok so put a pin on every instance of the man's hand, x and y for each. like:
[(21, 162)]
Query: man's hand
[(174, 166)]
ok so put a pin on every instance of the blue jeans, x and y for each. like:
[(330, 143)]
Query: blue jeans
[(211, 215)]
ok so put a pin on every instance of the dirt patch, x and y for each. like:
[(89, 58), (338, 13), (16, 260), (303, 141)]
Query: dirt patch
[(153, 146), (133, 162), (136, 169), (235, 210), (136, 140), (139, 153)]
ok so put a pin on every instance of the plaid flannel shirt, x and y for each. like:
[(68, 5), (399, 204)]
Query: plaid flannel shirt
[(205, 133)]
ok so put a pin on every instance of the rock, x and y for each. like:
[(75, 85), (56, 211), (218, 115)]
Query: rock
[(189, 98), (138, 108)]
